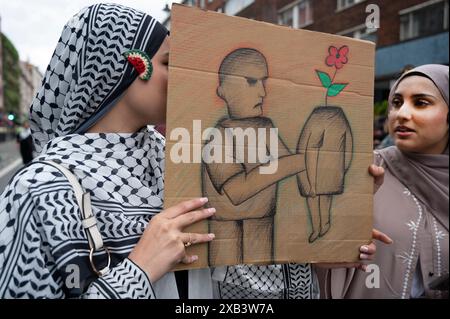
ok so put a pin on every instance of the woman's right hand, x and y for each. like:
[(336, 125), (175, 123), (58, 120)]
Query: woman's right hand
[(163, 244)]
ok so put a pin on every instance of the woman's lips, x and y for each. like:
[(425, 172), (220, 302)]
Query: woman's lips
[(403, 131), (404, 134)]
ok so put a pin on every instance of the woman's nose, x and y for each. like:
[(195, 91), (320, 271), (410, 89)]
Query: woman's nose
[(405, 111)]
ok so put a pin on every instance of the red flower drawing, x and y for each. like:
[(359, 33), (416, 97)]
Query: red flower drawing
[(337, 58)]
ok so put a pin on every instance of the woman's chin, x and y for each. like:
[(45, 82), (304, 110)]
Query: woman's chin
[(407, 146)]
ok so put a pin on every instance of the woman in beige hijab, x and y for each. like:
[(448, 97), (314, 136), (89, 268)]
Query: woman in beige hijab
[(412, 204)]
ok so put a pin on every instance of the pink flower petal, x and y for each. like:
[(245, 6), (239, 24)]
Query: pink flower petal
[(343, 50), (343, 59), (332, 50), (338, 64), (331, 59)]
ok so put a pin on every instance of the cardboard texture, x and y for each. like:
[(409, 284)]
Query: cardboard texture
[(316, 89)]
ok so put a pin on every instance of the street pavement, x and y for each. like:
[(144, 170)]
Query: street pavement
[(10, 162)]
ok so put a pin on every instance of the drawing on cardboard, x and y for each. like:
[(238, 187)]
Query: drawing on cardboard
[(244, 198), (327, 143), (297, 106)]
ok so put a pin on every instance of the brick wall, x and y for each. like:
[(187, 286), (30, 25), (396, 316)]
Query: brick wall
[(328, 19)]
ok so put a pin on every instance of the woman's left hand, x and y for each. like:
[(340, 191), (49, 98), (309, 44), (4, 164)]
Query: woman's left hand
[(377, 173), (367, 252)]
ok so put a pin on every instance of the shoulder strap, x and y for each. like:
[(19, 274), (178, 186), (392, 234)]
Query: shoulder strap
[(88, 219)]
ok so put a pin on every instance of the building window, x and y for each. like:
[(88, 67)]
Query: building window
[(344, 4), (232, 7), (424, 19), (361, 32), (286, 18), (297, 15), (190, 2)]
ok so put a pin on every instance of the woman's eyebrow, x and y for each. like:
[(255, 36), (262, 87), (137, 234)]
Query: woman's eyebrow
[(419, 95), (423, 95)]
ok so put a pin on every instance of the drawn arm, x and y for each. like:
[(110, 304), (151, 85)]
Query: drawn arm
[(283, 150), (243, 186)]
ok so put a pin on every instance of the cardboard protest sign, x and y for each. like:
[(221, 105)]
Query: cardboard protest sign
[(274, 126)]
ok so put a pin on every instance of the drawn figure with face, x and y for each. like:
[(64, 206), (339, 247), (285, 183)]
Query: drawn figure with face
[(244, 198)]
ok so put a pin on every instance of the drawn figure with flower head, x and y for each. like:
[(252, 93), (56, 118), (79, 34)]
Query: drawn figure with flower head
[(327, 142)]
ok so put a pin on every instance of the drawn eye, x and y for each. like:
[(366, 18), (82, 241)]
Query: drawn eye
[(251, 81)]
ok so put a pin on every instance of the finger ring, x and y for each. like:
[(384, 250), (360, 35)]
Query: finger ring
[(189, 242)]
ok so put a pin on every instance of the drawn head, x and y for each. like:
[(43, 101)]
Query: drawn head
[(242, 77), (418, 110)]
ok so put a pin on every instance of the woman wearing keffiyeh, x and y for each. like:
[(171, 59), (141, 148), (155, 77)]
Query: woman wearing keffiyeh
[(90, 116)]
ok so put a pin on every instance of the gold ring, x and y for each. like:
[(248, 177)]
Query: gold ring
[(188, 242)]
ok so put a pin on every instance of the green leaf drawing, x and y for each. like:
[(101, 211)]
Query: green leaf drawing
[(324, 78), (335, 89)]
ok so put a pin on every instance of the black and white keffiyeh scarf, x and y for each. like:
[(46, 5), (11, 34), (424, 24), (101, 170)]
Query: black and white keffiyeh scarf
[(43, 246)]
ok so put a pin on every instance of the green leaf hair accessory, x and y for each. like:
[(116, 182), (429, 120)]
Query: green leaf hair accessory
[(141, 62)]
